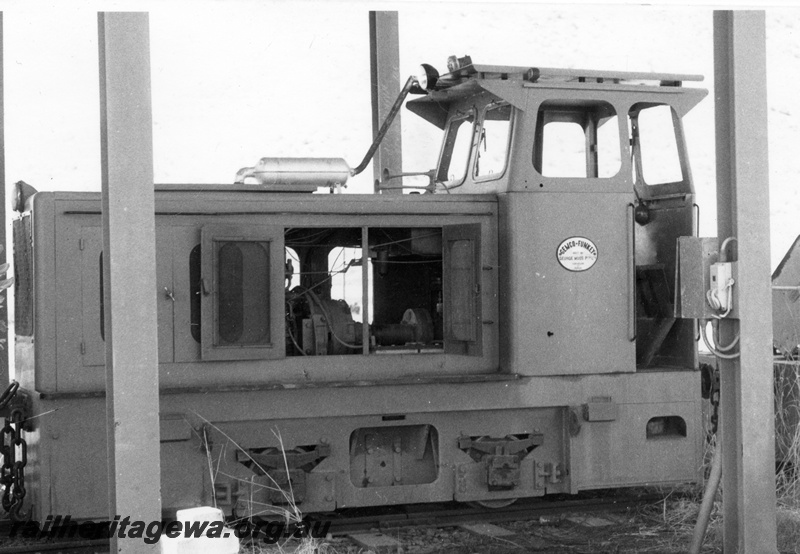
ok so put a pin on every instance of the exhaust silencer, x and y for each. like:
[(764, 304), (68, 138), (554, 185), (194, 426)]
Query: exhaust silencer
[(320, 172)]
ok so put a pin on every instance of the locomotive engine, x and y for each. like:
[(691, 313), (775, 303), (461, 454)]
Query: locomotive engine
[(507, 332)]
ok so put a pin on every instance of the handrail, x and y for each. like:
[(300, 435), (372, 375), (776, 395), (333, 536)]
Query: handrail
[(385, 127)]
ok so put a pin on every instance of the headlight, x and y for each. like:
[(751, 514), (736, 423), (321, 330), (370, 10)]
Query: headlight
[(427, 77)]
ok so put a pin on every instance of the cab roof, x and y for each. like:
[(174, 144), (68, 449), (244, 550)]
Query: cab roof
[(515, 83)]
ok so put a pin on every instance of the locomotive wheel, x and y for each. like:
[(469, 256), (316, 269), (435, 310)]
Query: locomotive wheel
[(492, 504)]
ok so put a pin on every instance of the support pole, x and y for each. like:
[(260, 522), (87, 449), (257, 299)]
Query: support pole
[(384, 57), (746, 402), (4, 369), (126, 142)]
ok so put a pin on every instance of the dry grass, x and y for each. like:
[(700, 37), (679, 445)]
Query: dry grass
[(787, 432), (668, 526), (683, 512), (787, 453), (291, 515), (306, 546)]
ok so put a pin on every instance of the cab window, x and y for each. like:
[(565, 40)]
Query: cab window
[(654, 136), (456, 149), (577, 139), (492, 153)]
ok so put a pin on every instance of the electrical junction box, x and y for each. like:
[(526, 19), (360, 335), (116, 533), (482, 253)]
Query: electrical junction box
[(695, 257), (723, 286), (600, 408), (720, 295), (701, 276)]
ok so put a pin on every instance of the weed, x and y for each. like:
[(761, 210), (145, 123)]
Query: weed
[(291, 514), (787, 456), (787, 432)]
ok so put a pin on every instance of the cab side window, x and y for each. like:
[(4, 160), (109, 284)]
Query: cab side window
[(654, 136), (456, 149), (492, 153)]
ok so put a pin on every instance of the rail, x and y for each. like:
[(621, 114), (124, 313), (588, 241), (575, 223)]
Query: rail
[(353, 520)]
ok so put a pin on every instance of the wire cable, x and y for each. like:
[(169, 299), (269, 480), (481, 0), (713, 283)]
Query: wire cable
[(715, 303), (398, 241), (294, 341), (716, 341), (713, 350), (724, 245)]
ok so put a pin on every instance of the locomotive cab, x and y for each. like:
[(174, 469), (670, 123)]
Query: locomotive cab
[(592, 174)]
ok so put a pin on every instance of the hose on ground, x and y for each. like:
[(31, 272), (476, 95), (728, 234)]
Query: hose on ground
[(708, 502)]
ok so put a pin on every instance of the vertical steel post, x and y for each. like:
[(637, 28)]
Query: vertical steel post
[(4, 369), (126, 142), (384, 58), (746, 404)]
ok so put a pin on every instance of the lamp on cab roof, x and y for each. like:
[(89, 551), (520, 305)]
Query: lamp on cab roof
[(427, 77)]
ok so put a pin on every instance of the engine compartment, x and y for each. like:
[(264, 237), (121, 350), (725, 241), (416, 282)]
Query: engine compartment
[(336, 297)]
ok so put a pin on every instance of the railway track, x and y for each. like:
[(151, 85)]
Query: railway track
[(452, 514), (352, 521), (58, 547)]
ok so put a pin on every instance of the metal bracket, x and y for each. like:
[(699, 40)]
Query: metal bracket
[(515, 445), (286, 487), (502, 472), (546, 472), (461, 478), (223, 494), (501, 457), (600, 408), (283, 474), (274, 458)]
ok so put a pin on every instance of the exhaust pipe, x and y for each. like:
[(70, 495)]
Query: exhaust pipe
[(321, 172)]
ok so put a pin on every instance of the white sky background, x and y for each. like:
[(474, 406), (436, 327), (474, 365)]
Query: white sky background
[(238, 80)]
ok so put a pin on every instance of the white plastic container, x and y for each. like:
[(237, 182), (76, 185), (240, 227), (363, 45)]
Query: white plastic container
[(227, 543)]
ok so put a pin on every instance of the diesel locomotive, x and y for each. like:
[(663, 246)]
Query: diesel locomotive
[(506, 330)]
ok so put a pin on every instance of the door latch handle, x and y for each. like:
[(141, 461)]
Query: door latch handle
[(168, 294)]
